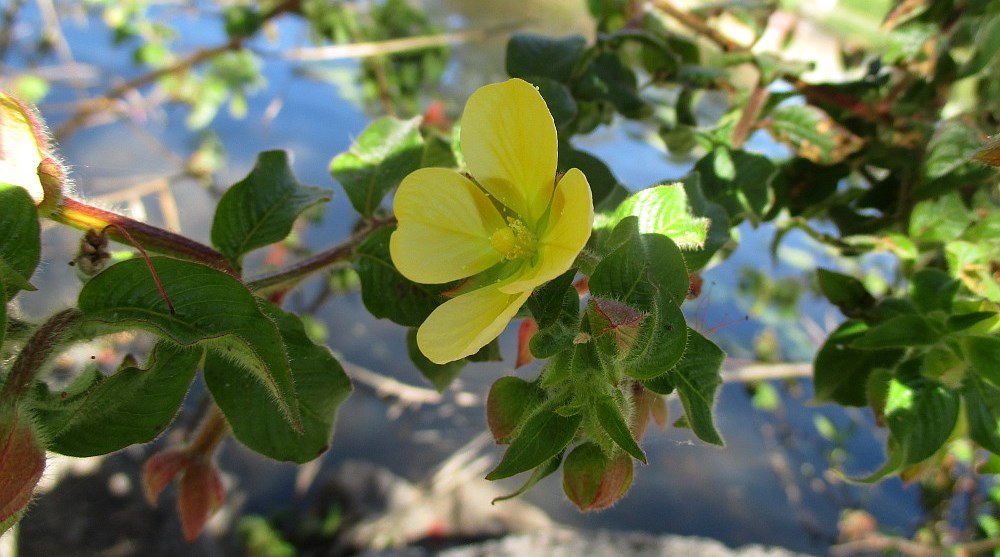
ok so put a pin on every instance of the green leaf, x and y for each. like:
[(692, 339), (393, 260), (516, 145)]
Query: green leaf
[(541, 472), (99, 415), (662, 210), (647, 273), (556, 309), (608, 79), (845, 292), (544, 435), (212, 309), (610, 418), (510, 401), (602, 181), (261, 208), (738, 181), (20, 241), (933, 289), (982, 409), (697, 380), (531, 55), (921, 416), (899, 332), (320, 386), (840, 371), (718, 235), (387, 150), (440, 375), (983, 353), (939, 220), (948, 164), (388, 294), (812, 133)]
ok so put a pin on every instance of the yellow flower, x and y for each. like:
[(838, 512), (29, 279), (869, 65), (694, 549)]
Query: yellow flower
[(512, 227)]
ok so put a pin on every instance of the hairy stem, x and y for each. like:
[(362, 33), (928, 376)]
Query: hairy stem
[(211, 431), (287, 278), (82, 216), (36, 351)]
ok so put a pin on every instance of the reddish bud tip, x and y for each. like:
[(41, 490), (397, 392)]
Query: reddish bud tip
[(22, 461), (525, 332), (200, 495), (160, 469), (592, 481)]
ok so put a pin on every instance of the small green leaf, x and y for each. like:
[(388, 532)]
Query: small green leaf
[(739, 181), (440, 375), (718, 235), (982, 409), (541, 472), (320, 386), (812, 133), (933, 289), (898, 332), (20, 240), (840, 371), (939, 220), (261, 208), (379, 159), (511, 399), (531, 55), (697, 380), (556, 308), (211, 309), (542, 437), (983, 352), (610, 418), (921, 416), (845, 292), (662, 210), (608, 79), (98, 415), (385, 292)]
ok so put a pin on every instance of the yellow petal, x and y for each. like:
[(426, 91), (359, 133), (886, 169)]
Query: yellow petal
[(461, 326), (567, 231), (510, 146), (444, 227)]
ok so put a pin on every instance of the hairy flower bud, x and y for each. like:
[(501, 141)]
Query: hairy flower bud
[(24, 153), (592, 480), (22, 461)]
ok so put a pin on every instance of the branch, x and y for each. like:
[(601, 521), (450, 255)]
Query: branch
[(287, 278), (392, 46), (699, 26)]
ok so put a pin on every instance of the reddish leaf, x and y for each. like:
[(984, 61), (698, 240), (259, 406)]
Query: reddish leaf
[(160, 469), (200, 495), (22, 461)]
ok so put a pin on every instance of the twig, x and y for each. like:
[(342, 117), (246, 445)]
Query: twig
[(298, 271), (879, 542), (765, 372), (392, 46), (749, 115), (699, 26)]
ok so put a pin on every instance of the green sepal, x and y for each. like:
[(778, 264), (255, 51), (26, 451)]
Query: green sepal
[(609, 415), (543, 436)]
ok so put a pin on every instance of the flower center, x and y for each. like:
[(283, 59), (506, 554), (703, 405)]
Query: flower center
[(514, 241)]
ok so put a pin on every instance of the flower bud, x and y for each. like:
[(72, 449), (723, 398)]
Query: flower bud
[(160, 469), (592, 480), (22, 461), (619, 320), (24, 154), (525, 332)]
